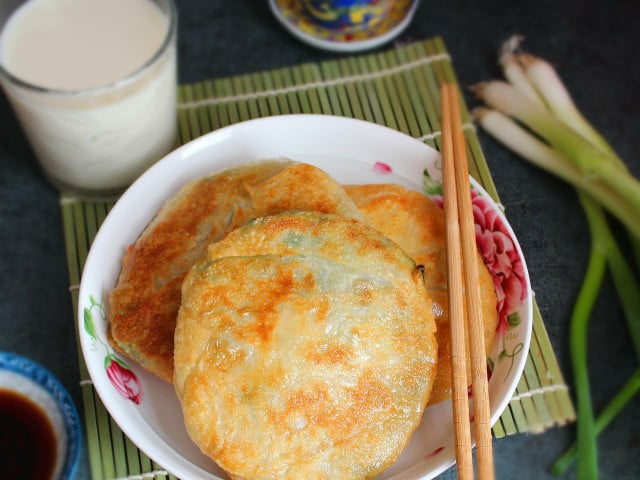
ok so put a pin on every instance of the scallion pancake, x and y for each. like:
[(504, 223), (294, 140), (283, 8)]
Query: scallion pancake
[(304, 348)]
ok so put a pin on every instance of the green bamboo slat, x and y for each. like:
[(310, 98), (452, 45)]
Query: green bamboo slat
[(237, 89), (308, 76), (482, 168), (508, 422), (118, 445), (266, 83), (388, 117), (553, 369), (252, 102), (533, 422), (403, 83), (192, 113), (535, 385), (371, 93), (391, 94), (297, 78), (292, 96), (323, 95), (534, 391), (133, 457), (518, 413), (261, 100), (145, 463), (349, 91), (550, 398), (220, 91), (203, 121), (245, 108), (212, 111), (498, 429), (333, 72), (183, 128), (202, 114), (352, 68), (398, 88), (217, 114), (346, 91), (226, 92), (425, 79), (327, 69), (106, 443), (276, 84)]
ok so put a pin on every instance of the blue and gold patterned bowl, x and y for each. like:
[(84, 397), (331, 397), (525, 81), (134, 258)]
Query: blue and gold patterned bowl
[(344, 25), (348, 15)]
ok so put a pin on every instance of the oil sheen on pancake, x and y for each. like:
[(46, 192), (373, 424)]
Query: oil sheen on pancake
[(146, 299), (304, 348), (416, 224)]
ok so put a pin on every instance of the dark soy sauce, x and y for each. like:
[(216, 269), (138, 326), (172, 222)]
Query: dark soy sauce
[(27, 438)]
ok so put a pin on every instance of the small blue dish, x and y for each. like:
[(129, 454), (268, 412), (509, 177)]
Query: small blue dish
[(23, 376)]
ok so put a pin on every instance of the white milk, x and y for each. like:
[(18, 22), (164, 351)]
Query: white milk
[(95, 118)]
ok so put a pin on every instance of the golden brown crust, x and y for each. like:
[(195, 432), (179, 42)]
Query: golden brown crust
[(304, 348), (303, 187), (416, 224), (145, 302)]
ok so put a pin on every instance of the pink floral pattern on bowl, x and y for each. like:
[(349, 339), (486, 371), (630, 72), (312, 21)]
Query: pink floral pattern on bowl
[(118, 372), (503, 261)]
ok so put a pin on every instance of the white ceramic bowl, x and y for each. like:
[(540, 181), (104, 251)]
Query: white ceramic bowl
[(352, 151), (27, 378)]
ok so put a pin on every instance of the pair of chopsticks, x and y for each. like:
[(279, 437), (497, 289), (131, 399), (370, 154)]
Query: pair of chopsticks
[(462, 262)]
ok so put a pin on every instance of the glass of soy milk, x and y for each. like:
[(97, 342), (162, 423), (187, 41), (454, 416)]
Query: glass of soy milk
[(93, 84)]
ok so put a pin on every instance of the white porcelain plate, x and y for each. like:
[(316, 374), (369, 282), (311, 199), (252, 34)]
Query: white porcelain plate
[(352, 151)]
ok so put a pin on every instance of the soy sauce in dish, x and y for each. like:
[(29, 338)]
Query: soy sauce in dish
[(27, 438)]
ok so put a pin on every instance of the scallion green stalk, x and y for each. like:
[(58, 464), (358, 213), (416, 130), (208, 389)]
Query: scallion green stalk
[(613, 408), (578, 334)]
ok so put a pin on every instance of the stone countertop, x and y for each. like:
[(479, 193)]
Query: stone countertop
[(595, 46)]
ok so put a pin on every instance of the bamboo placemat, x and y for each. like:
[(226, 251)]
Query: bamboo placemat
[(397, 88)]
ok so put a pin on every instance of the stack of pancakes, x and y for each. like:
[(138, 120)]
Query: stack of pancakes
[(302, 323)]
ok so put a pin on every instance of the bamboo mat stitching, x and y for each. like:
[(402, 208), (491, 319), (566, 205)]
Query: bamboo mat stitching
[(317, 84)]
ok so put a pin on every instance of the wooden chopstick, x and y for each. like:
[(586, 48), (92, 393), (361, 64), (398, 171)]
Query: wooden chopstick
[(462, 262)]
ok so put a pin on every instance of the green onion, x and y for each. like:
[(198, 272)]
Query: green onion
[(522, 142), (513, 71), (545, 78), (619, 401), (591, 161), (535, 116)]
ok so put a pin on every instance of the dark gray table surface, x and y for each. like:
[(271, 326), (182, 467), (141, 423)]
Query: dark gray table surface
[(594, 44)]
